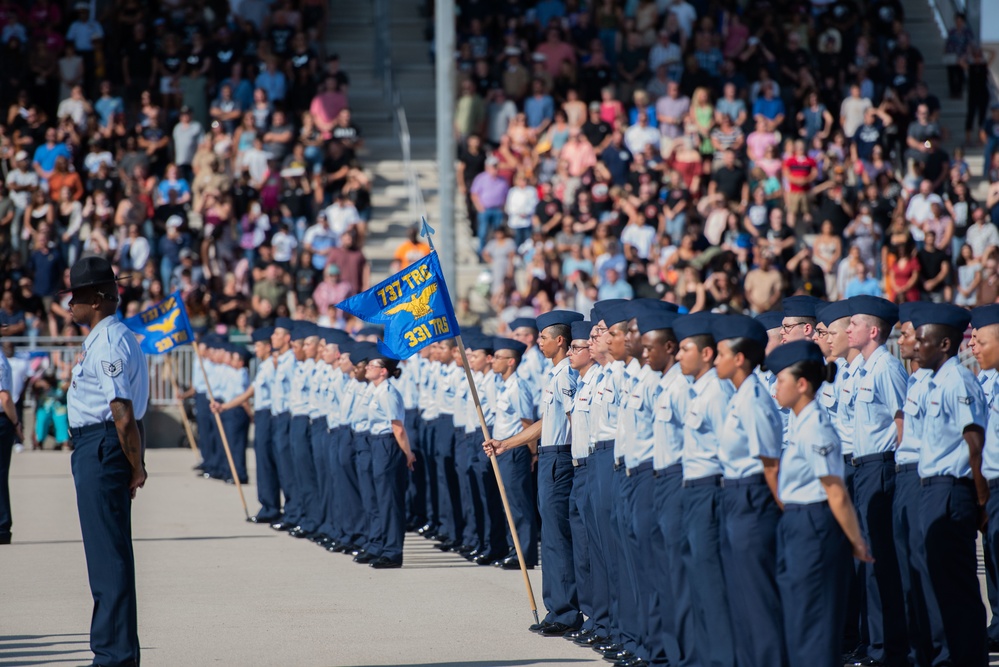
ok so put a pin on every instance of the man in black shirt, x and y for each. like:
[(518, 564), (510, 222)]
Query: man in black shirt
[(471, 163), (548, 212), (730, 181), (346, 132), (934, 267), (596, 131)]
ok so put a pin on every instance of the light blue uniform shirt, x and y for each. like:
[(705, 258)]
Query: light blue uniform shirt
[(384, 406), (636, 415), (813, 452), (471, 414), (954, 401), (534, 368), (838, 401), (990, 456), (301, 387), (281, 387), (556, 404), (237, 381), (317, 389), (611, 392), (513, 403), (623, 432), (880, 388), (348, 394), (358, 414), (409, 382), (462, 397), (751, 429), (334, 394), (430, 400), (914, 417), (263, 383), (702, 425), (675, 392), (769, 381), (582, 438), (6, 377), (112, 367), (198, 378), (447, 390)]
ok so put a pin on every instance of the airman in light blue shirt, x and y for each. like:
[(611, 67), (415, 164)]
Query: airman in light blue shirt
[(112, 366)]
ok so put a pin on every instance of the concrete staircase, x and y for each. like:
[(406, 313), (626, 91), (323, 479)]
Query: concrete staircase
[(926, 28), (352, 35)]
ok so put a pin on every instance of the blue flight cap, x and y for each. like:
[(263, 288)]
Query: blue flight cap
[(347, 346), (364, 352), (332, 335), (469, 330), (566, 317), (243, 353), (581, 329), (944, 314), (262, 335), (984, 316), (771, 320), (370, 331), (738, 326), (800, 306), (827, 313), (302, 329), (478, 342), (695, 324), (617, 313), (656, 320), (907, 310), (524, 323), (789, 354), (637, 307), (500, 343), (285, 323), (874, 306), (599, 307)]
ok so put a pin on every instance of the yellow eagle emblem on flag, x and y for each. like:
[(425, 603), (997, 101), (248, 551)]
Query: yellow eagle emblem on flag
[(418, 305)]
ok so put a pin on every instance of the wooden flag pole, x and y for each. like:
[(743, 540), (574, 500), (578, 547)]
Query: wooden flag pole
[(168, 367), (499, 479), (225, 440)]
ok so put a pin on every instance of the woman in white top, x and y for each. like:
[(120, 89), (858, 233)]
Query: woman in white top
[(391, 455), (819, 523)]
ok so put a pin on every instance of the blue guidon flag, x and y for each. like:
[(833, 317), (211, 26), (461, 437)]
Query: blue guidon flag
[(413, 305), (162, 327)]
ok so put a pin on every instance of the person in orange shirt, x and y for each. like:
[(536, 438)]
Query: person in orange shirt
[(410, 250), (62, 177)]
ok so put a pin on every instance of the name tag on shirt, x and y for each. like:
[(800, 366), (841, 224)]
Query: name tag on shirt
[(910, 407)]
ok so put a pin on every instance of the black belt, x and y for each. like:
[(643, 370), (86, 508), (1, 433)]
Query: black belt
[(848, 459), (579, 463), (554, 449), (380, 436), (800, 507), (618, 463), (946, 479), (710, 480), (906, 467), (80, 431), (752, 480), (640, 468), (874, 458), (675, 469), (994, 483), (601, 445)]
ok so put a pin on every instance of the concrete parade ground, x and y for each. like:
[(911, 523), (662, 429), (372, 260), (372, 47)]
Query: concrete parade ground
[(215, 590)]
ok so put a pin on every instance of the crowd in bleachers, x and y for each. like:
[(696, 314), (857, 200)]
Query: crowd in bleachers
[(721, 155)]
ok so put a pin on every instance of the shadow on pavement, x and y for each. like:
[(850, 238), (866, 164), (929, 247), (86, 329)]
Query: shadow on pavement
[(196, 538), (18, 650), (485, 663)]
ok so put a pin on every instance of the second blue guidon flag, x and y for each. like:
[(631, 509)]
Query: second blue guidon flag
[(413, 305), (162, 327)]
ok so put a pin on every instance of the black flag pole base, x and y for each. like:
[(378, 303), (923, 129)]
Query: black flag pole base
[(536, 620)]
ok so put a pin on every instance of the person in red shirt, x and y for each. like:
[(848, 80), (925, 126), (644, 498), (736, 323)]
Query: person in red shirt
[(800, 172)]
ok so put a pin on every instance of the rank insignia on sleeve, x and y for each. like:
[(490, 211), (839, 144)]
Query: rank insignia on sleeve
[(569, 392), (823, 450), (964, 399), (113, 368)]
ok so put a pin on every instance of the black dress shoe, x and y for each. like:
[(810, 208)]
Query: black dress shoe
[(447, 545), (282, 526), (556, 630), (426, 529), (614, 656), (609, 646), (538, 627), (298, 532), (264, 520), (867, 662), (5, 538), (483, 559), (513, 564), (631, 662), (364, 557), (577, 634), (591, 640), (994, 646), (383, 563)]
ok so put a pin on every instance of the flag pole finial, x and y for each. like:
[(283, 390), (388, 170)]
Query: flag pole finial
[(427, 232)]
